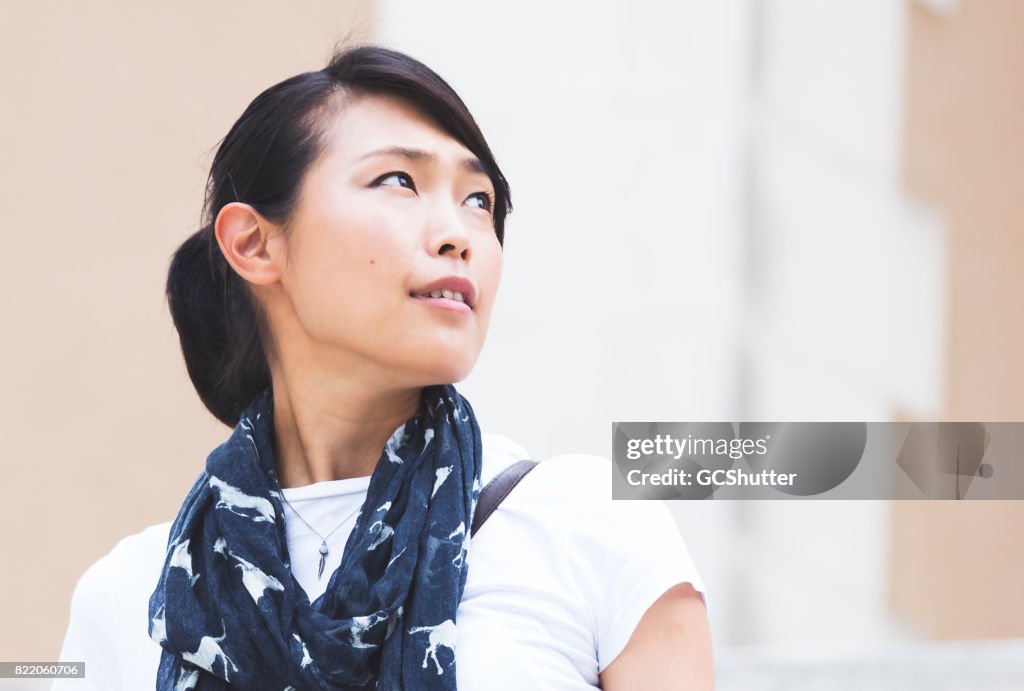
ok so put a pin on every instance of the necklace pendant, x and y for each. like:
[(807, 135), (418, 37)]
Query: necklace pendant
[(323, 558)]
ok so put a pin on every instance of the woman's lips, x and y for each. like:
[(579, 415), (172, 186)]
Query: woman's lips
[(449, 289), (444, 303)]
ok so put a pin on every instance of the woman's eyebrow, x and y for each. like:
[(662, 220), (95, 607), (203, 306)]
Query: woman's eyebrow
[(472, 164)]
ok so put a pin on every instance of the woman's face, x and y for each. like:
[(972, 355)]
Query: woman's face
[(393, 212)]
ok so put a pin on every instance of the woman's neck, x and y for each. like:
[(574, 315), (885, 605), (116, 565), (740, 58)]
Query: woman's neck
[(332, 429)]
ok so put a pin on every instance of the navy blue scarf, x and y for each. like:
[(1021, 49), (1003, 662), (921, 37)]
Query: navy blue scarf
[(229, 614)]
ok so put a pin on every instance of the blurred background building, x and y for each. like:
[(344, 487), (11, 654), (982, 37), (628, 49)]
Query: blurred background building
[(727, 210)]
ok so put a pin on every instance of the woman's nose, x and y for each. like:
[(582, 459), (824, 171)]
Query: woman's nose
[(448, 235), (455, 249)]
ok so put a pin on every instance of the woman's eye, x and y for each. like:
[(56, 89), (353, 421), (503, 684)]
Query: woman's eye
[(403, 180), (486, 203)]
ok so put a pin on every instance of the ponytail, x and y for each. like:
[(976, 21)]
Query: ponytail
[(219, 327)]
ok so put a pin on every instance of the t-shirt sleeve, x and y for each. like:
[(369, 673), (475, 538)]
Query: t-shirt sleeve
[(631, 553), (88, 636), (108, 627), (652, 558)]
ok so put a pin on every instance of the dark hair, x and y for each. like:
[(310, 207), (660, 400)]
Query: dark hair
[(261, 161)]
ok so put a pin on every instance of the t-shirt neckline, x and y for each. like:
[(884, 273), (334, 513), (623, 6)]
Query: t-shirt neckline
[(327, 488)]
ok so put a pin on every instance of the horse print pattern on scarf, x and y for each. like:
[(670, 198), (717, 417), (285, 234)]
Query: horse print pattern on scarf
[(229, 614)]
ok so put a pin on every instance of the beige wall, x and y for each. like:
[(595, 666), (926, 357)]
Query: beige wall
[(111, 115), (957, 568)]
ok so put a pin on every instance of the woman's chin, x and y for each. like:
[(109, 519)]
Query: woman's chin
[(447, 371)]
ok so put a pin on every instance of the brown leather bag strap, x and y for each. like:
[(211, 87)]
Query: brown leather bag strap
[(497, 489)]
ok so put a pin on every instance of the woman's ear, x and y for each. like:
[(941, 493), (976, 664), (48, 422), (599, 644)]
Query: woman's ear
[(246, 240)]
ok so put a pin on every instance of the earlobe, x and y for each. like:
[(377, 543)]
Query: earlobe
[(243, 235)]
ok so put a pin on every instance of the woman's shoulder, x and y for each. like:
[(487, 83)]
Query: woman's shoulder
[(579, 484), (131, 568), (499, 453), (573, 492), (567, 474), (138, 548)]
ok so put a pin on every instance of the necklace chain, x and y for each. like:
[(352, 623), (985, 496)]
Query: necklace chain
[(323, 538)]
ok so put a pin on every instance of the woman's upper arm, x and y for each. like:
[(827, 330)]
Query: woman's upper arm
[(669, 649), (643, 566), (641, 590)]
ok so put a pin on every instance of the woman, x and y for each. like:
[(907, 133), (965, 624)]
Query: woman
[(343, 281)]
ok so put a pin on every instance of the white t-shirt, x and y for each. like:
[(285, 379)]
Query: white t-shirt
[(559, 577)]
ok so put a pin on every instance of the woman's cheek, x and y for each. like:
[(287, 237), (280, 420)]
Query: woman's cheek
[(492, 274)]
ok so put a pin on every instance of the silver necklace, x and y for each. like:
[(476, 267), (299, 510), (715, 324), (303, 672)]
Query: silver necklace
[(323, 538)]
